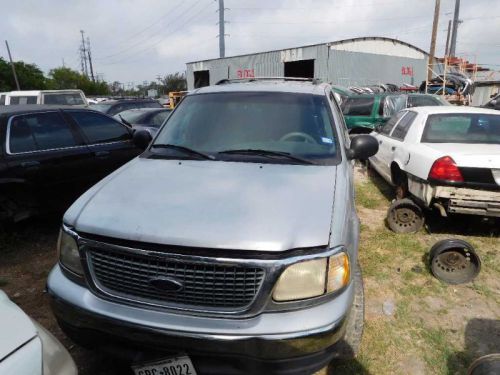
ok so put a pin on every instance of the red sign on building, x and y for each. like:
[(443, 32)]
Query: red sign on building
[(245, 73), (407, 71)]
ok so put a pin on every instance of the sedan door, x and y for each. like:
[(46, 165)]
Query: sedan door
[(46, 155), (381, 161), (109, 140)]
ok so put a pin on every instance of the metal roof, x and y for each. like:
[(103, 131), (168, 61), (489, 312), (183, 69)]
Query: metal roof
[(342, 41)]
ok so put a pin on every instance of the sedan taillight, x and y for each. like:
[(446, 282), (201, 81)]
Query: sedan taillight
[(445, 169)]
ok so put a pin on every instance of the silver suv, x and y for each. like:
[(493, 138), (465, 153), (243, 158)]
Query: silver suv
[(229, 246)]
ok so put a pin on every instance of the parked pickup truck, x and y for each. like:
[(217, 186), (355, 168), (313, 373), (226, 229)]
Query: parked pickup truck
[(444, 157), (239, 255)]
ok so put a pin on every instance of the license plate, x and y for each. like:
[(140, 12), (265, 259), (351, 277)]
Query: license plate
[(180, 365)]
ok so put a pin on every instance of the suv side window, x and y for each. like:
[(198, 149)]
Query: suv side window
[(23, 100), (403, 126), (386, 129), (38, 132), (358, 106), (99, 128)]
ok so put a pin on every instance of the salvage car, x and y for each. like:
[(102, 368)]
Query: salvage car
[(50, 155), (113, 107), (240, 254), (364, 112), (26, 348), (443, 157), (149, 119)]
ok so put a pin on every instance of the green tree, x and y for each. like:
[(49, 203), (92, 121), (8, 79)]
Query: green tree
[(65, 78), (29, 75), (174, 82)]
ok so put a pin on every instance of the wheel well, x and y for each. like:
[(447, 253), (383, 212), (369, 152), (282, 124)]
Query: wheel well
[(396, 173)]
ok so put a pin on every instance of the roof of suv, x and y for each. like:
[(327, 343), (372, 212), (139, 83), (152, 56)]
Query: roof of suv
[(268, 85)]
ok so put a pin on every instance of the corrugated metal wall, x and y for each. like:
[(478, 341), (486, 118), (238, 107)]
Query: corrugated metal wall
[(331, 65), (357, 69)]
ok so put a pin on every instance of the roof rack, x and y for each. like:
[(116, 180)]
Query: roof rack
[(224, 81)]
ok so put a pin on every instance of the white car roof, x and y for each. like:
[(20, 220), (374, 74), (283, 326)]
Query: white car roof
[(452, 109)]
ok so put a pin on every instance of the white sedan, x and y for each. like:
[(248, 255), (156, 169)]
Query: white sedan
[(444, 157), (26, 348)]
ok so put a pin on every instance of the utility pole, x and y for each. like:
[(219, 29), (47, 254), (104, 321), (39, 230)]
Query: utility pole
[(90, 60), (456, 21), (447, 48), (222, 36), (83, 55), (13, 67), (433, 39)]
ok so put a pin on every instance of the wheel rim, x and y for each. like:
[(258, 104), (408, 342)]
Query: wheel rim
[(405, 218), (456, 265)]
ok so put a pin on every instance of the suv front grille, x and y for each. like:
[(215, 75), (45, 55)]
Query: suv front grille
[(204, 285)]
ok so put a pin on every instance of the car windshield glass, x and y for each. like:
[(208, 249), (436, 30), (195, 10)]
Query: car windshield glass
[(130, 116), (63, 99), (101, 107), (358, 106), (462, 128), (297, 124)]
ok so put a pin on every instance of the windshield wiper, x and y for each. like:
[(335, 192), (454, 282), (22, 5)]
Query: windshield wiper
[(184, 149), (268, 153)]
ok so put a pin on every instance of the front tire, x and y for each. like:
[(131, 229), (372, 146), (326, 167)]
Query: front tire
[(348, 347)]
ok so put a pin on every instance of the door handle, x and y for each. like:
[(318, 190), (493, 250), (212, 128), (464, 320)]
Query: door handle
[(393, 148), (30, 164), (101, 154)]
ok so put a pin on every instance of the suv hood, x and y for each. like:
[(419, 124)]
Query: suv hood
[(211, 204)]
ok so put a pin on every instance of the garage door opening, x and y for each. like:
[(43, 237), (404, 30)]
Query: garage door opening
[(301, 68), (201, 78)]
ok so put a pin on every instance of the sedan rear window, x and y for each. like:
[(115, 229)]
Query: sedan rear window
[(358, 106), (462, 128)]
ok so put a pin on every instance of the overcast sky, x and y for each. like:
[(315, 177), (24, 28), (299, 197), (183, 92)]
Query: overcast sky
[(134, 41)]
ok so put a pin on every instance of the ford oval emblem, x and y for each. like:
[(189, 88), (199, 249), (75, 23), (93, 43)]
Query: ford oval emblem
[(166, 284)]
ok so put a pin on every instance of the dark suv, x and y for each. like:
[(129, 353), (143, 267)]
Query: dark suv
[(49, 155), (113, 107)]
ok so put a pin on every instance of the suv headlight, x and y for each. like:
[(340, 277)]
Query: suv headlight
[(69, 255), (313, 278)]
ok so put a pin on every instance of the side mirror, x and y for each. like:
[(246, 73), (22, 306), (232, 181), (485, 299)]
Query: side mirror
[(142, 139), (362, 147)]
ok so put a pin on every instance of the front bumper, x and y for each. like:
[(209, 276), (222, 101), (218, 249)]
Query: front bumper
[(300, 341)]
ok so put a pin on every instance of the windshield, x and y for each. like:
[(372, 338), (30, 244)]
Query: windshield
[(462, 128), (63, 99), (298, 124), (101, 107)]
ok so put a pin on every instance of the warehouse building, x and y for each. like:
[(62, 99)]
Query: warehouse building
[(358, 61)]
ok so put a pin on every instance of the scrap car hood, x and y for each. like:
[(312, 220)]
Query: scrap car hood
[(211, 204), (15, 326)]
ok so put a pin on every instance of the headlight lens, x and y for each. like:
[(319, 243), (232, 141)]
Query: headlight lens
[(68, 253), (338, 272), (313, 278)]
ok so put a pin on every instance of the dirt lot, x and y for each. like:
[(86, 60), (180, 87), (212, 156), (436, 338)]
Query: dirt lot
[(414, 323)]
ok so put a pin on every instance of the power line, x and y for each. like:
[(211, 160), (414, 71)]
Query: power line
[(147, 48), (141, 41)]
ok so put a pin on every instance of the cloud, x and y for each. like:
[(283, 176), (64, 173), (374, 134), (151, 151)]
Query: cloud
[(134, 41)]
